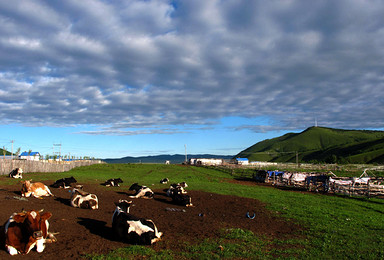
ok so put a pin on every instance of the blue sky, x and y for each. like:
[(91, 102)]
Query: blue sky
[(109, 79)]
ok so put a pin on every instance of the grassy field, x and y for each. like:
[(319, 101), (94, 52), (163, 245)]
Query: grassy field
[(337, 227)]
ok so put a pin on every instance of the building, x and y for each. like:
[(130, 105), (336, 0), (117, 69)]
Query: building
[(242, 161), (204, 161), (30, 156)]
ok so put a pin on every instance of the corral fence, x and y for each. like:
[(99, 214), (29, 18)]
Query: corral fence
[(314, 180), (6, 165), (328, 182)]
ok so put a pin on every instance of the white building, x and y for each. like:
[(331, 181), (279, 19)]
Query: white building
[(30, 156), (204, 161), (242, 161)]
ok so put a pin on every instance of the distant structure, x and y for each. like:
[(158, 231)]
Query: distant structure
[(30, 156), (242, 161), (205, 161)]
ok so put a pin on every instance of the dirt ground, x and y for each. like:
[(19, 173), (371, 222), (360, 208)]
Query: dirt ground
[(84, 231)]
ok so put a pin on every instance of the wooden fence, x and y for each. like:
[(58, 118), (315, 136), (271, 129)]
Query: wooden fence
[(6, 165)]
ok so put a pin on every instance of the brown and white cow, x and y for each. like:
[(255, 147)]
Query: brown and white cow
[(26, 230), (36, 189), (16, 173), (131, 229), (141, 191), (84, 200)]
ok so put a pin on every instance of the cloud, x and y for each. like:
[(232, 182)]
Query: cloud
[(141, 64)]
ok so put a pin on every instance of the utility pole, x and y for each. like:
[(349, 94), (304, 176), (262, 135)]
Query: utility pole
[(185, 147), (297, 159), (12, 150), (59, 145), (12, 153)]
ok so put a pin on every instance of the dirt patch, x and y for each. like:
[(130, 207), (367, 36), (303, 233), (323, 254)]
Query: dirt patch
[(84, 231)]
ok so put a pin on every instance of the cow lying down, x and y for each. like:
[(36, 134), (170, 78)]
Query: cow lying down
[(131, 229), (179, 195), (84, 200), (36, 189), (64, 183), (26, 230), (141, 191), (16, 173), (113, 182), (177, 187), (164, 181)]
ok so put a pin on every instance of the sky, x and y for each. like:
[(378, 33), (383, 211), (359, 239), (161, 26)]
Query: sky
[(109, 79)]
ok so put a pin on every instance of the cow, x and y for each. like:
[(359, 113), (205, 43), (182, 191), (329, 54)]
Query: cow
[(113, 182), (36, 189), (183, 184), (64, 183), (129, 228), (180, 198), (26, 230), (141, 191), (16, 173), (84, 200), (164, 181), (177, 187)]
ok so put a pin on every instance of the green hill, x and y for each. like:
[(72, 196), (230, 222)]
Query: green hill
[(320, 144), (4, 152)]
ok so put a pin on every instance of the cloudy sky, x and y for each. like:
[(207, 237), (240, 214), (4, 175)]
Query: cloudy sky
[(109, 79)]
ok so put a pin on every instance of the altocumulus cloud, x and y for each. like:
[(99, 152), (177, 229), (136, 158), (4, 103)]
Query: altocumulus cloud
[(143, 67)]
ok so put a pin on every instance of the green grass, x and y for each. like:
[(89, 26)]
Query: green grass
[(337, 227)]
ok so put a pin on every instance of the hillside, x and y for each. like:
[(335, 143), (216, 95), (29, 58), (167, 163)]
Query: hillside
[(4, 152), (174, 159), (320, 144)]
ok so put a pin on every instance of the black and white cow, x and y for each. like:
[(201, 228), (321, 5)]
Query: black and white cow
[(129, 228), (164, 181), (16, 173), (141, 191), (179, 195), (177, 188), (113, 182), (84, 200), (180, 198), (64, 183), (183, 184)]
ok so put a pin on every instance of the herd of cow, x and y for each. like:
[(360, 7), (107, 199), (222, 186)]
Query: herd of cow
[(29, 229)]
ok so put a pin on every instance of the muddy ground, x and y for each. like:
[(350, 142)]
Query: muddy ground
[(83, 231)]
